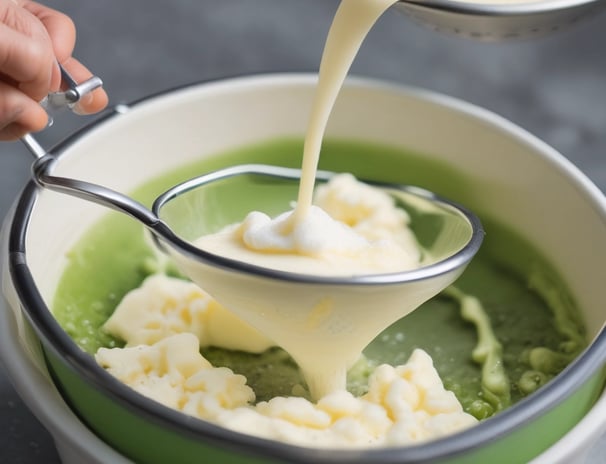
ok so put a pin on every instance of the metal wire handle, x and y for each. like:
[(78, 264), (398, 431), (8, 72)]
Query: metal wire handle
[(60, 100), (45, 160)]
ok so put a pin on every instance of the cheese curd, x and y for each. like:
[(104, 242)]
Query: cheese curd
[(174, 373), (352, 229), (370, 212), (163, 306), (404, 404)]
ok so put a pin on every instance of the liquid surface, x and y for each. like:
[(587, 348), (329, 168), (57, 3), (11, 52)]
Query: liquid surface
[(522, 317), (352, 229)]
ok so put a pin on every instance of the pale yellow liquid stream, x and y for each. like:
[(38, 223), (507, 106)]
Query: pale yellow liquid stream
[(352, 22), (351, 25), (324, 333)]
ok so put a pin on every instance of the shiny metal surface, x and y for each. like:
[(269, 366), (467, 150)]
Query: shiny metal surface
[(451, 260), (555, 87), (490, 21)]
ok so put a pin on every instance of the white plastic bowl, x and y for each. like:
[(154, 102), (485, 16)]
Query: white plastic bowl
[(509, 171)]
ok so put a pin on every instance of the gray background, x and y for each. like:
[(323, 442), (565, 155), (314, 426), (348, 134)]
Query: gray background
[(555, 87)]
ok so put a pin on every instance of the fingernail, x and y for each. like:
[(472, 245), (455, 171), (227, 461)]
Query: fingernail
[(85, 100)]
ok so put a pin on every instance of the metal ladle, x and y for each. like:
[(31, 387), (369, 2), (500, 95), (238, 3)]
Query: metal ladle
[(499, 20), (349, 310)]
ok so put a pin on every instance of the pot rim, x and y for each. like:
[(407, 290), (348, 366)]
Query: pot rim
[(56, 339)]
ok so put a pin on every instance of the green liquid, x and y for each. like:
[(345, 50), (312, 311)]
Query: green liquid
[(113, 258)]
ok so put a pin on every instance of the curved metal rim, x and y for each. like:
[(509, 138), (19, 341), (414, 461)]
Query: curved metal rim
[(458, 259), (56, 339), (512, 9)]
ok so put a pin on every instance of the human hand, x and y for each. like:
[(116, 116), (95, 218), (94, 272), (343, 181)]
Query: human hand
[(33, 40)]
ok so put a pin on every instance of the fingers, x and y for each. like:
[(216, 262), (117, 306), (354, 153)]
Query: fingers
[(62, 32), (60, 28), (26, 52), (91, 102), (33, 40), (19, 114)]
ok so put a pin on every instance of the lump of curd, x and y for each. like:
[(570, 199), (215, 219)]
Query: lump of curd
[(404, 404), (166, 321), (163, 306), (351, 229)]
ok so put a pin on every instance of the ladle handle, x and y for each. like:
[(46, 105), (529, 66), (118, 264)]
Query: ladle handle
[(33, 146), (88, 191), (92, 192), (60, 100)]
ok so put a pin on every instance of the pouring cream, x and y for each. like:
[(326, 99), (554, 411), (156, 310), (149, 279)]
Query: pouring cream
[(307, 240), (352, 22)]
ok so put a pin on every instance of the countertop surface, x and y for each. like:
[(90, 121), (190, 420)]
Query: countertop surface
[(554, 86)]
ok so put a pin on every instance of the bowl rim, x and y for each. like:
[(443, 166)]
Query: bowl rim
[(520, 8), (57, 341), (450, 264)]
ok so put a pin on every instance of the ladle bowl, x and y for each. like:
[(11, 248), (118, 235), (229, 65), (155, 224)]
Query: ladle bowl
[(495, 21), (328, 318), (312, 317)]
